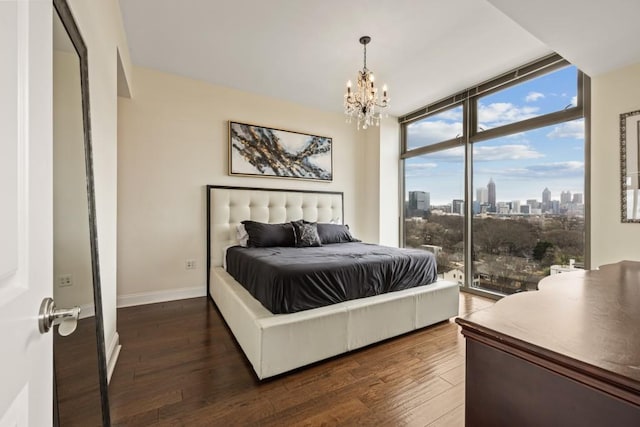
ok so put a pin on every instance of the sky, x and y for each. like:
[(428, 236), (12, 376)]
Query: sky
[(522, 164)]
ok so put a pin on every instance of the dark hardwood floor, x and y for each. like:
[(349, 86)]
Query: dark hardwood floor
[(180, 366)]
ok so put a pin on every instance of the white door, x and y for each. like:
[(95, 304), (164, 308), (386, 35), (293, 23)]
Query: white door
[(26, 254)]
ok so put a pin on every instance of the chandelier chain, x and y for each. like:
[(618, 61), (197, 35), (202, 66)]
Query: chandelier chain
[(365, 57)]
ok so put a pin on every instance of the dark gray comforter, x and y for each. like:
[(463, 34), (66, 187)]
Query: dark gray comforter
[(288, 279)]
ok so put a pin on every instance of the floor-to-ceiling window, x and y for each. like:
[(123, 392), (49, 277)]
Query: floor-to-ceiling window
[(433, 181), (494, 178)]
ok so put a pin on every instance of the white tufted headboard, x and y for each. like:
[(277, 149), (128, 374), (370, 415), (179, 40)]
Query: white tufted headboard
[(228, 206)]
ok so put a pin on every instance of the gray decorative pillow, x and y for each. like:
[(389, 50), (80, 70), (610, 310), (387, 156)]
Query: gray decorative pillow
[(306, 234), (335, 233)]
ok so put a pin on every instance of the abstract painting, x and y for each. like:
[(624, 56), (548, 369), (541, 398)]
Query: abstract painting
[(262, 151)]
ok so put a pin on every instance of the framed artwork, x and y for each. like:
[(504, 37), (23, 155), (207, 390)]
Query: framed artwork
[(630, 166), (262, 151)]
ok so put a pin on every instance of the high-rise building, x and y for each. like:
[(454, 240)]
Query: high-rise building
[(457, 206), (515, 206), (491, 190), (419, 201), (577, 198), (565, 197), (546, 199), (482, 195)]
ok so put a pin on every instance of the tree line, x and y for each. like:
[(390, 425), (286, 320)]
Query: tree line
[(539, 242)]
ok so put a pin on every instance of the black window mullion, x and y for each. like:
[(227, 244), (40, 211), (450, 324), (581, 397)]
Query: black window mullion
[(469, 115), (432, 148), (529, 124)]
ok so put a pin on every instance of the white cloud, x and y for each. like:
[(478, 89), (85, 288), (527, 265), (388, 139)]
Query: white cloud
[(481, 154), (574, 100), (452, 155), (501, 113), (533, 96), (505, 152), (573, 129), (454, 114), (568, 166), (424, 165), (521, 136), (429, 132), (539, 172)]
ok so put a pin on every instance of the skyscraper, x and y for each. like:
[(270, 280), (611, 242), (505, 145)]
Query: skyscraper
[(419, 201), (491, 189), (482, 195), (565, 197), (546, 199), (577, 198), (457, 206)]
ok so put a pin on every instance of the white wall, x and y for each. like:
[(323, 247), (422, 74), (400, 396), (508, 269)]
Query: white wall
[(100, 24), (173, 140), (613, 93), (382, 154), (389, 184), (370, 217)]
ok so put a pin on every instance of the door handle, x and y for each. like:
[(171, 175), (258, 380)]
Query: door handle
[(49, 315)]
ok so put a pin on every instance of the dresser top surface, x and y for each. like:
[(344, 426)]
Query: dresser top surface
[(591, 317)]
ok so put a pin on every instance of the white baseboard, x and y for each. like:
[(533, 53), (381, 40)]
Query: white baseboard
[(113, 351), (142, 298)]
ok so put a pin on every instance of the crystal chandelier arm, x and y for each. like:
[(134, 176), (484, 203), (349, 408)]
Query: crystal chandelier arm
[(361, 102)]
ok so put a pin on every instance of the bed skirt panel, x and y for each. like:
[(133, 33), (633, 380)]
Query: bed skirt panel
[(440, 303), (279, 343)]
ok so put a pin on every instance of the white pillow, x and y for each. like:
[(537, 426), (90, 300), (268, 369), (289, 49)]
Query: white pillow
[(242, 236)]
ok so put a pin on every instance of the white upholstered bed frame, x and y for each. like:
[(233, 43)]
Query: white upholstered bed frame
[(279, 343)]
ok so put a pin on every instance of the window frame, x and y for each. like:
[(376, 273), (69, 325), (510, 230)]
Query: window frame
[(468, 99), (447, 143)]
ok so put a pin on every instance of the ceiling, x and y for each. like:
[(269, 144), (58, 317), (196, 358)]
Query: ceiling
[(597, 36), (304, 51)]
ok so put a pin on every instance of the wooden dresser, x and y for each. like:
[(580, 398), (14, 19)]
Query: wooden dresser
[(566, 355)]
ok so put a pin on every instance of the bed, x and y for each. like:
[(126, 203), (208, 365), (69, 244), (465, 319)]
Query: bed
[(277, 343)]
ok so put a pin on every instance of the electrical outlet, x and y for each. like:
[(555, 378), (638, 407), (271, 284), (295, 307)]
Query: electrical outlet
[(190, 264), (65, 280)]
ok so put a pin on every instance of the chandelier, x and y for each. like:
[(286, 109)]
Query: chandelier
[(363, 100)]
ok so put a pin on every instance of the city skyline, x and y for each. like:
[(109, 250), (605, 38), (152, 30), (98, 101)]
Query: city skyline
[(479, 190)]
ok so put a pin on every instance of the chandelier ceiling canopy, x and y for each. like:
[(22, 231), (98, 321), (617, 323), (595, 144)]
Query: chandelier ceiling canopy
[(363, 102)]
